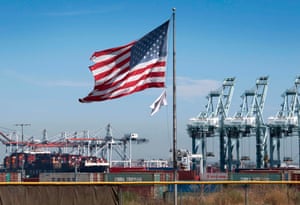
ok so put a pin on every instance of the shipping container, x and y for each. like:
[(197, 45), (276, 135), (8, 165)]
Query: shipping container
[(255, 176), (69, 177), (295, 176), (10, 177), (131, 177)]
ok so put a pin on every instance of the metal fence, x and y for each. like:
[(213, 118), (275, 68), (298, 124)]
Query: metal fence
[(188, 192)]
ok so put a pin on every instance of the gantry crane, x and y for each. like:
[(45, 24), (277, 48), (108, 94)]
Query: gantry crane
[(207, 123), (120, 146), (78, 143), (285, 123), (248, 122), (66, 143)]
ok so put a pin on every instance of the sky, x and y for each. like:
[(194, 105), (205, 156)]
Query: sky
[(45, 48)]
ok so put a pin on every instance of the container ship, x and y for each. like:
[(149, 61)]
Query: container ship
[(31, 164)]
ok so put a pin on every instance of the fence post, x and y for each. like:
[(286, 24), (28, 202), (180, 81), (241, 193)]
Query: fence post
[(120, 195), (246, 193)]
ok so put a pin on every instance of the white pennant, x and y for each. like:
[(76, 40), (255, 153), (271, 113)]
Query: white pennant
[(160, 101)]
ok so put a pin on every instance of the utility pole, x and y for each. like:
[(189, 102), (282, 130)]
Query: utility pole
[(22, 129)]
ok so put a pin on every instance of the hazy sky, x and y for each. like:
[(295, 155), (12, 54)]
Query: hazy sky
[(45, 48)]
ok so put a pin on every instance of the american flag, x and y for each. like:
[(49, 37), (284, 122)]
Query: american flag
[(130, 68)]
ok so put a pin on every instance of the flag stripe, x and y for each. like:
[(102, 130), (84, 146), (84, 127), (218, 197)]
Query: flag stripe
[(131, 76), (100, 55), (110, 71), (111, 60), (159, 66), (113, 95), (122, 85)]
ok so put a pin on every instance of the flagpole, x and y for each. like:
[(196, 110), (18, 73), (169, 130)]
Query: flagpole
[(174, 113)]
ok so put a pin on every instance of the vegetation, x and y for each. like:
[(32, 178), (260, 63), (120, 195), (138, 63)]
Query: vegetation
[(229, 195)]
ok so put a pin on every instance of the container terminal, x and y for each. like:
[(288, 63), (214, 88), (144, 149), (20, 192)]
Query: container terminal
[(80, 157)]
